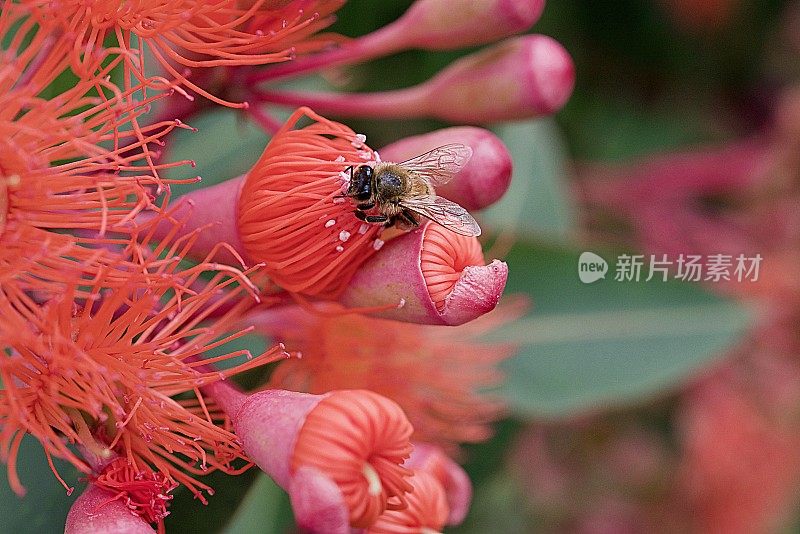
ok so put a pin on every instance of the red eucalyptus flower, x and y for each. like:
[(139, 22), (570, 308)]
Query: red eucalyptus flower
[(338, 455), (291, 216), (435, 374), (426, 512), (181, 34), (108, 372), (74, 173)]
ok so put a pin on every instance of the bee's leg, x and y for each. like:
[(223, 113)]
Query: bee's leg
[(409, 218), (370, 218), (366, 205)]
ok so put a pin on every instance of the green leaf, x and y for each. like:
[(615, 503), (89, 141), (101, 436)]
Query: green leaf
[(618, 130), (537, 201), (265, 508), (604, 344), (224, 146), (46, 503), (188, 514)]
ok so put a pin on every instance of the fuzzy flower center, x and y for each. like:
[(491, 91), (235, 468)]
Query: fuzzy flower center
[(358, 439), (444, 256)]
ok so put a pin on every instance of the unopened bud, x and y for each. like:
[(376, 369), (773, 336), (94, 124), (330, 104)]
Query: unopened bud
[(484, 178), (427, 25), (100, 510), (449, 24), (520, 78)]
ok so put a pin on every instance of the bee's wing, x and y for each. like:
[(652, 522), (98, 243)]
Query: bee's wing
[(442, 211), (440, 164)]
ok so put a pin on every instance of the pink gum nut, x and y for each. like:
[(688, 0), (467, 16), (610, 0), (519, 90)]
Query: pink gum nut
[(452, 477), (427, 25), (214, 211), (99, 510), (523, 77), (269, 445), (448, 24), (268, 424), (395, 276), (481, 182), (339, 455)]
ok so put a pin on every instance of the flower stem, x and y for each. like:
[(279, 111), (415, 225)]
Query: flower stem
[(382, 42), (399, 104)]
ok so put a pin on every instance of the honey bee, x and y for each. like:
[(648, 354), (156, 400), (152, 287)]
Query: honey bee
[(399, 192)]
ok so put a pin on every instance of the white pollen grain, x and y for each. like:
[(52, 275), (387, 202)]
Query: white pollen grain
[(363, 228), (338, 200), (344, 235), (340, 248), (377, 244), (339, 159), (330, 223)]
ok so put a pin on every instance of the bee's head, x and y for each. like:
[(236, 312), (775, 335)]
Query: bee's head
[(360, 183)]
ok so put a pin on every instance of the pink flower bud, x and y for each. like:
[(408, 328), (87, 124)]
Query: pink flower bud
[(520, 78), (427, 25), (485, 177), (454, 480), (338, 455), (99, 510), (433, 275), (449, 24)]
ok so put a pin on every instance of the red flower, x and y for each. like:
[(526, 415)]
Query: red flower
[(74, 172), (289, 215), (181, 34), (435, 374), (426, 512), (339, 455), (143, 492), (103, 372)]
